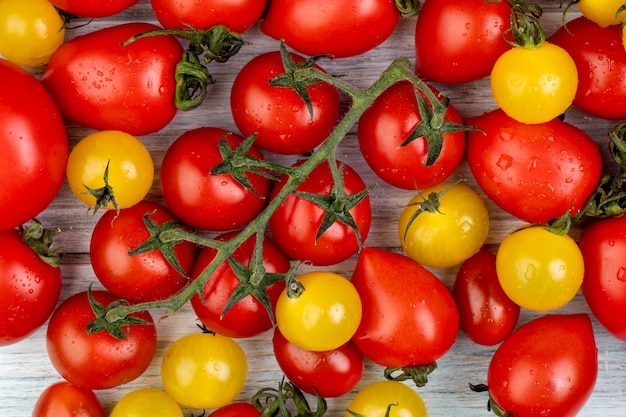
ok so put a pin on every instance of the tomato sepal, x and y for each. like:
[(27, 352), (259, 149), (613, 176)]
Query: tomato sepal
[(491, 404), (407, 8), (42, 245), (102, 322), (272, 401), (417, 374)]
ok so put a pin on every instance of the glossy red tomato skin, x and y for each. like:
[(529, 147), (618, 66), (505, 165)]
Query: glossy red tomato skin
[(29, 289), (459, 41), (409, 315), (487, 314), (600, 59), (387, 123), (603, 244), (536, 172), (237, 15), (237, 409), (93, 8), (279, 115), (144, 276), (63, 399), (333, 373), (340, 28), (209, 202), (531, 375), (294, 225), (102, 85), (248, 317), (31, 126), (104, 361)]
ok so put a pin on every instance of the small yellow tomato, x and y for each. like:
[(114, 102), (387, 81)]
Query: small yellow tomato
[(602, 12), (376, 398), (324, 316), (204, 370), (447, 231), (130, 171), (146, 402), (534, 85), (30, 31), (538, 269)]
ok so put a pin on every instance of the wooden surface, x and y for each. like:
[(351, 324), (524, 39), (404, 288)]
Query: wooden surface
[(25, 370)]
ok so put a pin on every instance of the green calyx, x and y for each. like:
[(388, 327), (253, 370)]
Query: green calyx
[(40, 241), (525, 26), (418, 374), (272, 402)]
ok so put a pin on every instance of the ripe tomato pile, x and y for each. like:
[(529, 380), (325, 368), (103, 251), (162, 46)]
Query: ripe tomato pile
[(323, 206)]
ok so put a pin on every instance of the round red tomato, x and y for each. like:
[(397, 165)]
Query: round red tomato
[(34, 140), (536, 172), (205, 201), (296, 222), (602, 244), (332, 373), (387, 124), (600, 59), (409, 316), (93, 8), (487, 314), (29, 288), (103, 85), (63, 399), (236, 15), (97, 360), (531, 374), (145, 276), (341, 28), (458, 41), (279, 115), (248, 317), (238, 409)]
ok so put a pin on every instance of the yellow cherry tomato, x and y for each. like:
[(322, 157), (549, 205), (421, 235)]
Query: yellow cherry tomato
[(448, 231), (376, 398), (603, 12), (146, 402), (324, 316), (204, 370), (538, 269), (124, 160), (534, 85), (30, 31)]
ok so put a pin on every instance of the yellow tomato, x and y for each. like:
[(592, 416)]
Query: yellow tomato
[(30, 31), (376, 398), (448, 233), (324, 316), (538, 269), (146, 402), (603, 12), (204, 370), (534, 85), (130, 171)]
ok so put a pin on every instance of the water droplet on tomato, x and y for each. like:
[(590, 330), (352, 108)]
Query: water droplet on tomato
[(504, 162), (621, 274)]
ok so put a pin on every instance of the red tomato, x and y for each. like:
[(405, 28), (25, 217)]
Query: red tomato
[(102, 85), (279, 115), (487, 314), (332, 373), (296, 222), (236, 15), (536, 172), (63, 399), (236, 410), (341, 28), (409, 316), (388, 122), (97, 360), (210, 202), (458, 41), (141, 277), (32, 128), (249, 316), (603, 245), (600, 59), (547, 367), (29, 288), (93, 8)]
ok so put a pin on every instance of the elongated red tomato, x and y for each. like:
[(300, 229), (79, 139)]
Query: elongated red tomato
[(93, 8), (34, 144), (101, 84)]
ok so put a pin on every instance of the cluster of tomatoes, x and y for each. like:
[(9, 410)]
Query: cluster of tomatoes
[(234, 224)]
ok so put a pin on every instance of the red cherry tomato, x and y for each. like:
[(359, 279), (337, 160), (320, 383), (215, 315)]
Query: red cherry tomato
[(93, 8), (236, 410), (63, 399)]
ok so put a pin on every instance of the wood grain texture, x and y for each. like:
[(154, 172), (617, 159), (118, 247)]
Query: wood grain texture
[(25, 370)]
